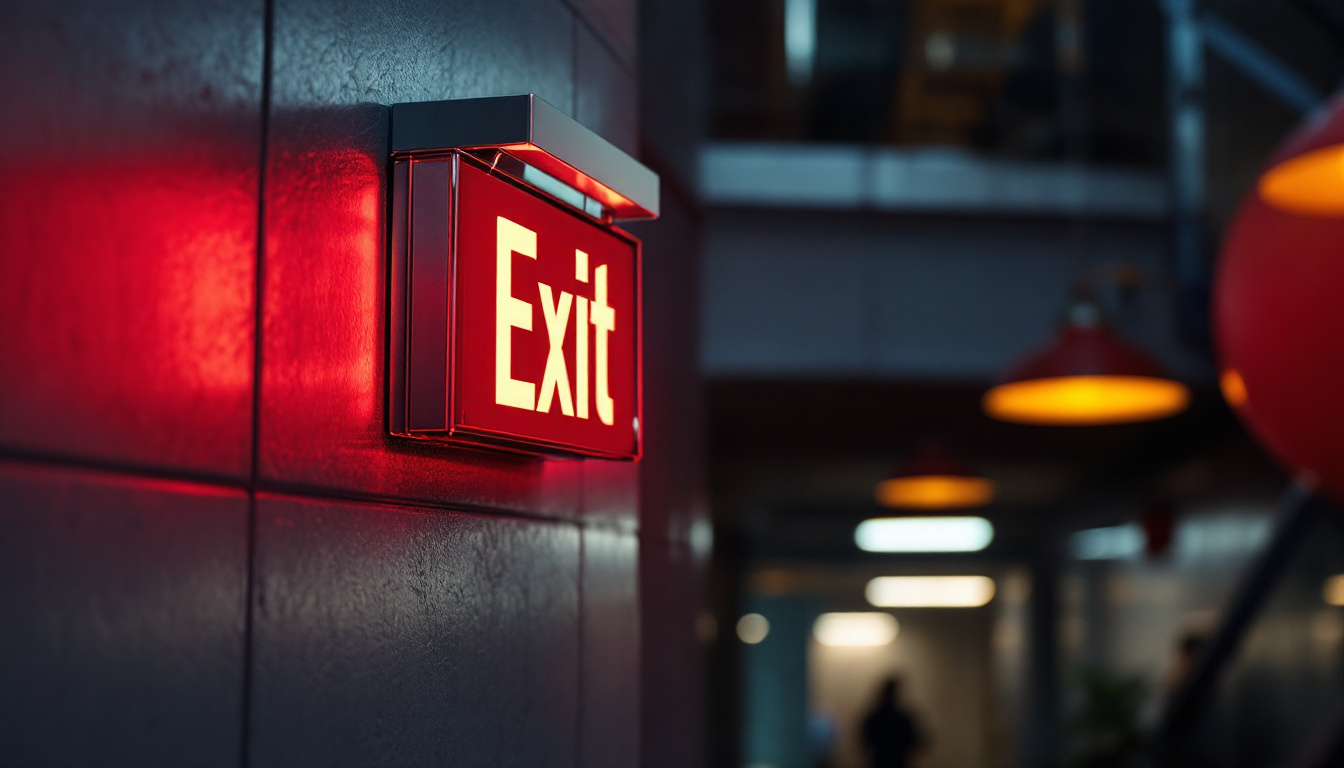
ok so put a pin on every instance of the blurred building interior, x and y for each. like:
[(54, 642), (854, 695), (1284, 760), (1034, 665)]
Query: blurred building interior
[(992, 372), (902, 200)]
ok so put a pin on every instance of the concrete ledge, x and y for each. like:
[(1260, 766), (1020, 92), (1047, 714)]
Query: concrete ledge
[(812, 176)]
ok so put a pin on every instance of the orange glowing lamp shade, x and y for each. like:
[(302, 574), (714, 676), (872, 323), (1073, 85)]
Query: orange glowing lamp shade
[(934, 478), (1278, 306), (1087, 400), (935, 492), (1311, 184), (1306, 175), (1087, 376)]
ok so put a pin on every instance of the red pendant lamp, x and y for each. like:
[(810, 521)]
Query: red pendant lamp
[(1087, 376), (1278, 304), (1306, 176), (934, 478)]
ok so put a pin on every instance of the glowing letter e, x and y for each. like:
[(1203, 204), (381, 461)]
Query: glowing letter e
[(510, 313)]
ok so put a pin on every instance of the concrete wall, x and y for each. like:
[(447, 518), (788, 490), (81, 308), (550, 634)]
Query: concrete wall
[(210, 551)]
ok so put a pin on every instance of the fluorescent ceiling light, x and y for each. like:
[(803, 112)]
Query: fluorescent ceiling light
[(855, 629), (924, 534), (1120, 542), (930, 591), (752, 628)]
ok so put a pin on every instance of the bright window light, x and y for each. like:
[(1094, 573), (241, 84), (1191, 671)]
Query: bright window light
[(1120, 542), (924, 534), (855, 629), (1334, 590), (930, 591), (752, 628)]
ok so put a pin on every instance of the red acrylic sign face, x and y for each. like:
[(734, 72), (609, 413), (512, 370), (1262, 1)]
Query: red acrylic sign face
[(543, 337)]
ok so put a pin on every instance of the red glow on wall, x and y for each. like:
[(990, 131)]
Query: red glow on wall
[(126, 292)]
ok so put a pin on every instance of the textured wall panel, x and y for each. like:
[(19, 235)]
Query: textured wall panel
[(324, 301), (128, 221), (671, 484), (396, 636), (121, 620), (606, 93), (616, 22), (609, 731), (671, 692), (673, 83), (611, 494), (671, 476)]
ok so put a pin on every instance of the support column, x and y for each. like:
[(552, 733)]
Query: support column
[(1185, 96), (1043, 747)]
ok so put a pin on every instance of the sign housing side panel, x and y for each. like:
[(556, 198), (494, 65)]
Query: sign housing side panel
[(454, 312), (430, 241), (397, 317)]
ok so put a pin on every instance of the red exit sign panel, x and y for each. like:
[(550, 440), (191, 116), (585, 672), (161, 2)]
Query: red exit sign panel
[(541, 349)]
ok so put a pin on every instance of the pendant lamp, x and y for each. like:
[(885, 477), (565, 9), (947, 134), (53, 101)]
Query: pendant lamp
[(934, 479), (1307, 175), (1086, 376), (1278, 305)]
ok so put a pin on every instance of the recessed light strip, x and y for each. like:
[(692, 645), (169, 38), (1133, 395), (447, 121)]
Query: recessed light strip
[(869, 630), (930, 591), (924, 534)]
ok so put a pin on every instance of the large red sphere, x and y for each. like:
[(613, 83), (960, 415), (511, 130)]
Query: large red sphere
[(1278, 312)]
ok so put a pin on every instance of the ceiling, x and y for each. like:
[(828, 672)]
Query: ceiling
[(795, 463)]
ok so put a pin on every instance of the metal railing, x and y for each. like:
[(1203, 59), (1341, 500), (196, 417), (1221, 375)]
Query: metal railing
[(1171, 746)]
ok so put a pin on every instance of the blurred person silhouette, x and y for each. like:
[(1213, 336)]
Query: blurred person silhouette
[(1200, 741), (890, 734), (1188, 648)]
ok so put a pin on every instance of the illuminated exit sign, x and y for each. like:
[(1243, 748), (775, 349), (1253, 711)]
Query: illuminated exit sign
[(515, 307)]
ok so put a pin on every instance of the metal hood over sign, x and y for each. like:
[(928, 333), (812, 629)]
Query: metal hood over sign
[(536, 133)]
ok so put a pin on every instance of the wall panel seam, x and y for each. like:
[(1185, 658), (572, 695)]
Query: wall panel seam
[(128, 471), (267, 76), (629, 66), (322, 495), (579, 708)]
